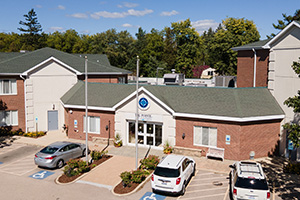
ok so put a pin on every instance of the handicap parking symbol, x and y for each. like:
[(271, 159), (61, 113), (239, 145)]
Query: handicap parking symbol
[(152, 196), (41, 174)]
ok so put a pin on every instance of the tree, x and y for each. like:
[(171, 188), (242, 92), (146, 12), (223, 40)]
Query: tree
[(189, 46), (293, 128), (31, 22), (169, 51), (31, 36), (234, 32), (286, 20)]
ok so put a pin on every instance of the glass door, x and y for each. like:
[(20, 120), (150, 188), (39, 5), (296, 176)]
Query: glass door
[(148, 133)]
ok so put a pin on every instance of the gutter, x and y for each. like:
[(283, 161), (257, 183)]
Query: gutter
[(254, 72), (25, 102)]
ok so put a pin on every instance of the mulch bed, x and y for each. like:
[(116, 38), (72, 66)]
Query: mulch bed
[(119, 189), (65, 179)]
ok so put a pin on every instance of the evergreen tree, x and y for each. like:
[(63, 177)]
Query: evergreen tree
[(31, 23), (286, 20)]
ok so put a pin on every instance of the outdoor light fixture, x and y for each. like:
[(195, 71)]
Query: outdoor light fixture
[(53, 106), (106, 127), (183, 135)]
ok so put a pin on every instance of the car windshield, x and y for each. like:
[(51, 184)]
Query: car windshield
[(166, 172), (250, 183), (49, 150)]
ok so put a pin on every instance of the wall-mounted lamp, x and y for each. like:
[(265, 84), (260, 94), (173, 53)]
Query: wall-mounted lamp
[(71, 111), (53, 106), (183, 135), (106, 127)]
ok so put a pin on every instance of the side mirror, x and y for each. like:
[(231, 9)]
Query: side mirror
[(232, 166)]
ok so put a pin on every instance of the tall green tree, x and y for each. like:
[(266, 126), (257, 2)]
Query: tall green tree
[(281, 24), (293, 129), (30, 37), (169, 51), (188, 45), (32, 26), (234, 32)]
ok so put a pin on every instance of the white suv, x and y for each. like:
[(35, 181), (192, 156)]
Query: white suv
[(248, 181), (172, 174)]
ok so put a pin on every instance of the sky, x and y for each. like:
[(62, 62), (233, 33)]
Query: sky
[(96, 16)]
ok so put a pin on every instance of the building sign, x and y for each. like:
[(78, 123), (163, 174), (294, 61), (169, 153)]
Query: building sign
[(75, 123), (227, 139), (143, 103), (290, 145)]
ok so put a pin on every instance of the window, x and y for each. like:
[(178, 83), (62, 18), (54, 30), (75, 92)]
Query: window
[(8, 86), (9, 118), (121, 79), (93, 124), (205, 136)]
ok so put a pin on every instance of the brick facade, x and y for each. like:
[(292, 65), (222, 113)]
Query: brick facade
[(16, 102), (78, 114), (245, 68), (259, 137)]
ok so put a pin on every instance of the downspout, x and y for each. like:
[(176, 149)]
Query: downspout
[(25, 102), (254, 72)]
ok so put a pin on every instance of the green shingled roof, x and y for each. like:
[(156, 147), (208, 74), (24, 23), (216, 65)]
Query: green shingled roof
[(227, 102), (25, 61), (253, 45)]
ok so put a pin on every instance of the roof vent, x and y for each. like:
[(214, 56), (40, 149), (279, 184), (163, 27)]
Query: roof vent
[(173, 71)]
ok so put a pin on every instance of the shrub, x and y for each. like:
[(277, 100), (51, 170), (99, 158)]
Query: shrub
[(150, 162), (292, 167), (167, 148), (96, 155), (126, 178), (118, 141), (75, 167), (139, 175)]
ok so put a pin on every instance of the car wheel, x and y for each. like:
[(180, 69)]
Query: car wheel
[(83, 153), (183, 189), (194, 171), (60, 164)]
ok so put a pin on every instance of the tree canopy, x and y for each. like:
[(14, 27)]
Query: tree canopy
[(178, 47), (281, 24)]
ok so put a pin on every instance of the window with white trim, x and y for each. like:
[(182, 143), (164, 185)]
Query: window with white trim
[(8, 86), (9, 118), (93, 124), (205, 136)]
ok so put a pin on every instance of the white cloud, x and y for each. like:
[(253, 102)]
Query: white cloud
[(130, 12), (128, 5), (126, 25), (79, 15), (55, 28), (204, 25), (60, 7), (166, 13)]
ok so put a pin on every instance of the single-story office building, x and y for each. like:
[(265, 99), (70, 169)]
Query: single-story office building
[(237, 120)]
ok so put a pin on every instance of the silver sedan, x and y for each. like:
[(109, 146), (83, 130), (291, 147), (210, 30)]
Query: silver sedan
[(57, 154)]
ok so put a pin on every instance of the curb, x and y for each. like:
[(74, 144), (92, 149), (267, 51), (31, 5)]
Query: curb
[(133, 191), (78, 178)]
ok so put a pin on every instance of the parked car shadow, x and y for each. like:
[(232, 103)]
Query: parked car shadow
[(284, 184)]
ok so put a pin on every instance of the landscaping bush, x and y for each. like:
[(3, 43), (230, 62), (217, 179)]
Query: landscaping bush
[(292, 167), (149, 163), (126, 178), (96, 155), (34, 134), (75, 167)]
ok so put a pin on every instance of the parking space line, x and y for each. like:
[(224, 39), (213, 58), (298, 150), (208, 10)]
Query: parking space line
[(200, 184), (201, 197), (211, 178), (217, 188), (227, 193)]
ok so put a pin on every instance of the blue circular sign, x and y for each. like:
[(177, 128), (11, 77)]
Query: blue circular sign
[(143, 102)]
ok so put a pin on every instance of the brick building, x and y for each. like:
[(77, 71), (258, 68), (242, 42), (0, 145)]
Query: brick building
[(32, 83), (268, 64), (192, 119)]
